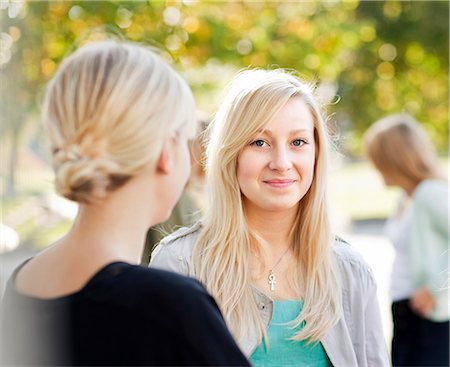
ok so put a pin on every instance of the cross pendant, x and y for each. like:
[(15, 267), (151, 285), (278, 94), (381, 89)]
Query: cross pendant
[(272, 280)]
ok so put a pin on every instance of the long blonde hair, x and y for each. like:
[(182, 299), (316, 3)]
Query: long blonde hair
[(222, 253), (398, 145), (108, 110)]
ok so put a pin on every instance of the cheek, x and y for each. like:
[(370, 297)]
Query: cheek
[(186, 163), (306, 163), (247, 168), (242, 176)]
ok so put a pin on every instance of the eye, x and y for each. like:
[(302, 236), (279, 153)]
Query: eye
[(259, 143), (299, 142)]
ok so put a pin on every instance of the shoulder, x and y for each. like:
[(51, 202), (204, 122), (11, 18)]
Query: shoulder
[(167, 287), (429, 190), (353, 269), (182, 236), (182, 298), (174, 251), (430, 203), (166, 300), (345, 253)]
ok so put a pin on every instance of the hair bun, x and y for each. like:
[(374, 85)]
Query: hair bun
[(82, 178), (69, 153)]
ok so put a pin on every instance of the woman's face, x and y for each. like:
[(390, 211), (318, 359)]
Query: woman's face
[(275, 170)]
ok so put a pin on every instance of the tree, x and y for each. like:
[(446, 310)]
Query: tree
[(378, 57)]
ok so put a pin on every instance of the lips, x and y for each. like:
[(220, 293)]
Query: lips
[(279, 183)]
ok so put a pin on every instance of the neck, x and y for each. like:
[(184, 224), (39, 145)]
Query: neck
[(115, 229), (273, 227), (107, 235), (409, 186), (273, 254)]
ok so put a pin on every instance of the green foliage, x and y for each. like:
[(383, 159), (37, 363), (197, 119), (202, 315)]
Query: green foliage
[(378, 57)]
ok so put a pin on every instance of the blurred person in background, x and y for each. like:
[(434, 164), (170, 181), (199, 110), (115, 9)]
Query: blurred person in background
[(189, 208), (291, 293), (119, 119), (402, 153)]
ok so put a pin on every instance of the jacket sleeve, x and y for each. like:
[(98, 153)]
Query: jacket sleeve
[(429, 247), (375, 344), (430, 238)]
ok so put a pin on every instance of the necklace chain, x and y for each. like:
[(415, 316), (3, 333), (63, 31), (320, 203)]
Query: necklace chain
[(272, 279), (281, 258)]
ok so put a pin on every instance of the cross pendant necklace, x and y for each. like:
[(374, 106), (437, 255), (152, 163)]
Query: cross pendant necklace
[(272, 279)]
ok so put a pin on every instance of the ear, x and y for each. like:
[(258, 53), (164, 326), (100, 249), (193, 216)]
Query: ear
[(165, 160)]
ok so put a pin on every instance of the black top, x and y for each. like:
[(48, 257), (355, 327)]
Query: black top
[(125, 315)]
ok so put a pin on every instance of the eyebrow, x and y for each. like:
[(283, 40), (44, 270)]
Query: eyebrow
[(292, 132)]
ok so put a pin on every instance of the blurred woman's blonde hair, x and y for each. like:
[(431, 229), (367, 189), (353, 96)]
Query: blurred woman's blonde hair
[(397, 145), (222, 253), (108, 110)]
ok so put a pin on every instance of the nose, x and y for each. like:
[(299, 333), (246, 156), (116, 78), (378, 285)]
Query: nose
[(280, 160)]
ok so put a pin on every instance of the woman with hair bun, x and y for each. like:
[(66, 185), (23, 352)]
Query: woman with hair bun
[(291, 293), (119, 119), (403, 154)]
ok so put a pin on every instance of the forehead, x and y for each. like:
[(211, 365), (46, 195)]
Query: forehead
[(294, 116)]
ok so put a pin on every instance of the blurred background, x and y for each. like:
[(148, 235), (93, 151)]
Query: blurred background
[(368, 58)]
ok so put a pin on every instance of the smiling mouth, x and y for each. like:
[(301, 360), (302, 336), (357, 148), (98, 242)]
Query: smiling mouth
[(279, 183)]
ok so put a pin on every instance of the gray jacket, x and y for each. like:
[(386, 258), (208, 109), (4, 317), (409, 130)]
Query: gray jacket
[(356, 340)]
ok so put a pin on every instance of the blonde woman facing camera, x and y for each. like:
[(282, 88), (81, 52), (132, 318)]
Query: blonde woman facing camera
[(405, 157), (118, 118), (291, 294)]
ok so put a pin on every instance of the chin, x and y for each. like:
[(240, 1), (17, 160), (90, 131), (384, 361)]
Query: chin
[(279, 206)]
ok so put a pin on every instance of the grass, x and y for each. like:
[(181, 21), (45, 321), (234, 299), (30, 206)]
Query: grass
[(358, 192)]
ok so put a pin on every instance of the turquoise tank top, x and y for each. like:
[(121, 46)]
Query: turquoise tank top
[(285, 352)]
